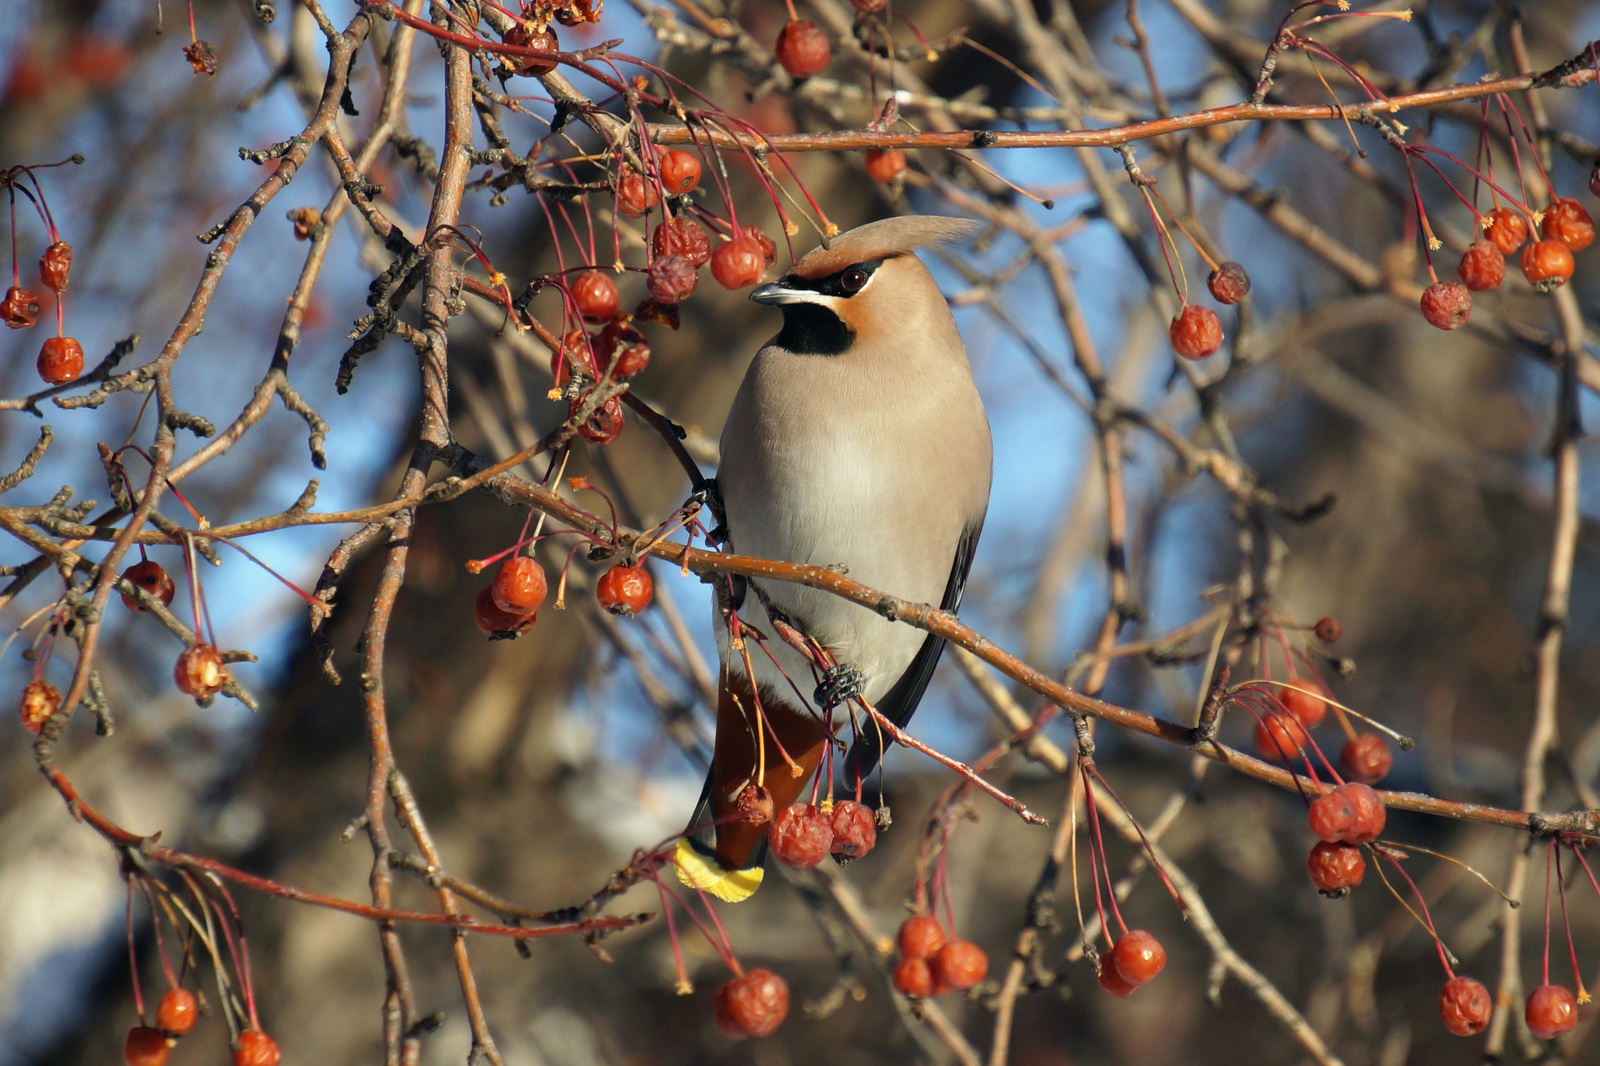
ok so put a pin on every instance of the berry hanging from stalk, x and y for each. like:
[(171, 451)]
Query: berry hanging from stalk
[(493, 621), (1196, 332), (543, 45), (1328, 629), (1482, 266), (1113, 981), (145, 1046), (959, 965), (625, 590), (885, 164), (153, 578), (60, 360), (636, 193), (855, 831), (595, 294), (738, 263), (1307, 709), (1366, 758), (801, 835), (519, 586), (754, 803), (604, 423), (753, 1004), (920, 937), (802, 48), (1506, 228), (1335, 868), (256, 1049), (1567, 221), (623, 349), (680, 172), (39, 701), (682, 236), (1138, 957), (1228, 283), (177, 1011), (1551, 1011), (1350, 814), (1280, 737), (1447, 305), (20, 309), (672, 279), (200, 671), (914, 977), (1547, 265), (1465, 1006), (56, 264)]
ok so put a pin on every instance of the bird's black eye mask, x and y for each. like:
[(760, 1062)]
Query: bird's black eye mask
[(813, 329), (844, 284)]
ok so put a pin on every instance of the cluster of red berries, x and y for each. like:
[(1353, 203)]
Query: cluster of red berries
[(1547, 263), (510, 603), (176, 1015), (1197, 331), (60, 357), (930, 965), (752, 1004), (804, 834), (1133, 961)]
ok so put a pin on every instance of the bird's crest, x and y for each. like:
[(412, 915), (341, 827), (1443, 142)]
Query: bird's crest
[(887, 237)]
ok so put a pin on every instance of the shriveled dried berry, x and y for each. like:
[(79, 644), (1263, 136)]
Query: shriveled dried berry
[(752, 1005), (519, 585), (20, 309), (672, 279), (636, 193), (1446, 305), (200, 671), (754, 803), (202, 57), (682, 236), (1482, 266), (737, 263), (1196, 332), (801, 835), (1228, 283), (1465, 1006), (1567, 221), (623, 349), (56, 264), (542, 48), (1350, 814), (855, 830), (39, 701), (1506, 227), (604, 423), (1335, 868)]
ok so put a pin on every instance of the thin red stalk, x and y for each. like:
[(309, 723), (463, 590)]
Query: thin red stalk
[(133, 956)]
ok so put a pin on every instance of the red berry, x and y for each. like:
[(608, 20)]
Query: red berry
[(855, 830), (1280, 737), (60, 360), (543, 46), (738, 263), (199, 671), (1465, 1006), (1371, 814), (680, 172), (672, 279), (56, 263), (596, 295), (920, 937), (752, 1005), (1228, 283), (1447, 305), (682, 236), (604, 423), (39, 701), (144, 1046), (519, 586), (153, 578), (624, 344), (802, 48), (1112, 981), (1137, 957), (20, 309), (1551, 1011), (801, 835), (1566, 221), (1335, 868), (959, 965), (1506, 228), (256, 1049), (1303, 705), (492, 620), (755, 803), (1350, 814), (1482, 267), (1196, 332), (1328, 629), (1547, 264), (1366, 758), (885, 164), (636, 194), (625, 590), (914, 977), (177, 1011)]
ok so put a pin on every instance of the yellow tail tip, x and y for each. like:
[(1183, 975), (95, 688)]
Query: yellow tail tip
[(701, 871)]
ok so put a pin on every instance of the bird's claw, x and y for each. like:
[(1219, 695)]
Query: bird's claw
[(841, 683)]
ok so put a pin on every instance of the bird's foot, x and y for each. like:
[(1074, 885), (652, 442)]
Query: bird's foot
[(841, 683)]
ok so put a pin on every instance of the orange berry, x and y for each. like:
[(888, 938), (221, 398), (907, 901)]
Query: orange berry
[(1112, 981), (1196, 332), (144, 1046), (738, 263), (920, 937), (199, 671), (39, 701), (1547, 264), (636, 193), (153, 578), (855, 830), (752, 1005), (802, 48), (680, 172), (1482, 266), (1566, 221), (1335, 868), (1506, 228), (625, 590), (1303, 705), (1465, 1006), (1551, 1011), (914, 977), (1446, 305), (177, 1011), (801, 835), (493, 621), (256, 1049), (519, 586), (959, 965), (1280, 737), (60, 360), (596, 295), (885, 164), (1366, 758), (1138, 957)]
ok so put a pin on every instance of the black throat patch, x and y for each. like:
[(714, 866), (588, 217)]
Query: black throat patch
[(811, 329)]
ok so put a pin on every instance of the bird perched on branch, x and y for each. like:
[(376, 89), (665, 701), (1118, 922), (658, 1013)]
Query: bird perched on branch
[(856, 440)]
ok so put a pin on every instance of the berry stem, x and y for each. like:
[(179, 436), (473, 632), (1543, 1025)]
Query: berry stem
[(133, 955)]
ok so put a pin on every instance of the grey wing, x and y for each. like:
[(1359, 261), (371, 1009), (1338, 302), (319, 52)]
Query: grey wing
[(900, 703)]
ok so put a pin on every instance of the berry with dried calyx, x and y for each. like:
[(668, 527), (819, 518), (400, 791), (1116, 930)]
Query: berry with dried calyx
[(1280, 737), (1335, 868), (202, 57), (199, 671), (801, 835), (145, 1046), (177, 1011), (542, 45), (1196, 332), (914, 977), (885, 164), (1112, 981), (636, 193), (1483, 267), (1328, 629), (56, 264), (1228, 283), (1308, 709), (1506, 228), (153, 578), (595, 294), (680, 172), (754, 1004), (625, 590), (738, 263), (60, 360), (1465, 1006), (1138, 957), (959, 965), (623, 349), (754, 803), (802, 48), (39, 701), (920, 937), (682, 236), (1366, 758), (1446, 305), (672, 279), (256, 1049), (855, 830), (519, 585), (1567, 221), (1551, 1011), (1547, 264), (603, 425), (493, 621), (20, 309)]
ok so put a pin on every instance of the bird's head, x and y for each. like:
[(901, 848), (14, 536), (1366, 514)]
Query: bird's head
[(861, 286)]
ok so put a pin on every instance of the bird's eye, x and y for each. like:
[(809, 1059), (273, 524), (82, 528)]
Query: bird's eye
[(853, 279)]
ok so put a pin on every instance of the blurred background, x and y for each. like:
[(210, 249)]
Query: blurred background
[(543, 763)]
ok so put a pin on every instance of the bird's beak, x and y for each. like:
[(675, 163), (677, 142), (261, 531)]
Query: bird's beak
[(775, 293)]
